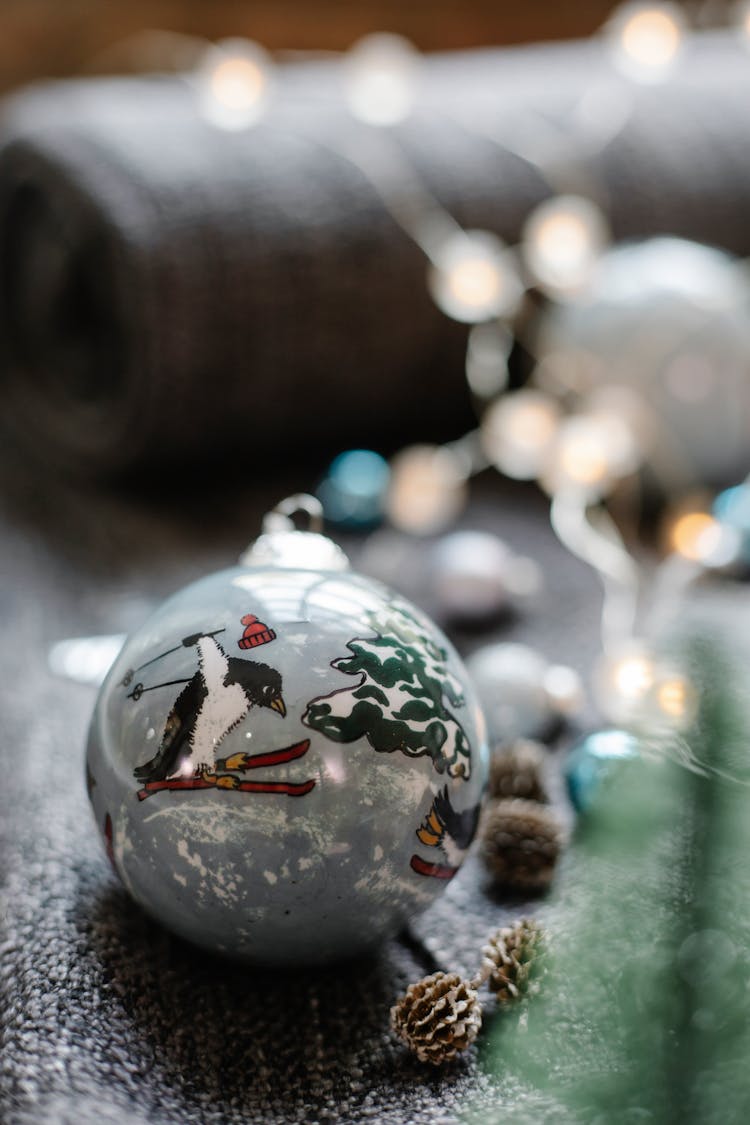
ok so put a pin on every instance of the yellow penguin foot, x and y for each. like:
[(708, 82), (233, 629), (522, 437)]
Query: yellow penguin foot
[(235, 762), (227, 781), (204, 772)]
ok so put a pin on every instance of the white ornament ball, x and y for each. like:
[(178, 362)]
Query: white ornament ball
[(670, 321), (474, 574), (521, 694)]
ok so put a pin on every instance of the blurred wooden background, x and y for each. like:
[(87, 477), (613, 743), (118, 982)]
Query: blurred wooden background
[(59, 37)]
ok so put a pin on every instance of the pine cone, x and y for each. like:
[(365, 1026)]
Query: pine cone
[(438, 1017), (509, 958), (521, 841), (516, 771)]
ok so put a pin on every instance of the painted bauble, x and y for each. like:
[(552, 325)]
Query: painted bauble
[(668, 322), (286, 761)]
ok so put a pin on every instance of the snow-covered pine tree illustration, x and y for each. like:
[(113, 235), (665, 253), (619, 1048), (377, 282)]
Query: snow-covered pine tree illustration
[(401, 698)]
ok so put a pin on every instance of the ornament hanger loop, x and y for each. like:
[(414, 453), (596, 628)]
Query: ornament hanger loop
[(280, 518), (283, 543)]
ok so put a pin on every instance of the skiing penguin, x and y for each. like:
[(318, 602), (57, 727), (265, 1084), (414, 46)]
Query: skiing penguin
[(449, 830), (216, 698)]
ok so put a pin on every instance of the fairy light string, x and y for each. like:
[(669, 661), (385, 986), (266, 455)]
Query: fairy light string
[(579, 448)]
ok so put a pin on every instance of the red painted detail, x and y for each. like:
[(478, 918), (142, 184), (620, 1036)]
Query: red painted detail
[(288, 754), (256, 633), (290, 788), (109, 841), (436, 870)]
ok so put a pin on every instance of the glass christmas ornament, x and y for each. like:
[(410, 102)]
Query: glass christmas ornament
[(668, 320), (522, 695), (286, 760), (592, 760), (233, 83)]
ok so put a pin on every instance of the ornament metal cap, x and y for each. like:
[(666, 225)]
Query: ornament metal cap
[(282, 544)]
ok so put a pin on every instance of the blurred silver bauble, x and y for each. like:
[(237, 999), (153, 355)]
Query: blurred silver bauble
[(662, 333), (473, 575), (521, 693)]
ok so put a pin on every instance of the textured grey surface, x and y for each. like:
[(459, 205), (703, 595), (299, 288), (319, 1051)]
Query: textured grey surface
[(105, 1017), (167, 288)]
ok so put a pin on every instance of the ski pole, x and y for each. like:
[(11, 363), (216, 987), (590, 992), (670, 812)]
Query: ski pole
[(186, 642), (139, 689)]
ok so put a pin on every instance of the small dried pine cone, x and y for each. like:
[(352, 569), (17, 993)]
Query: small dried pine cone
[(516, 771), (521, 842), (438, 1017), (509, 958)]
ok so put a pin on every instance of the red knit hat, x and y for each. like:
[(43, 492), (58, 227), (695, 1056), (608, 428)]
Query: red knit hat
[(256, 633)]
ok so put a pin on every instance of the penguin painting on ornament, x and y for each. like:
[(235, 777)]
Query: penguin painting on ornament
[(448, 830), (220, 694), (287, 675)]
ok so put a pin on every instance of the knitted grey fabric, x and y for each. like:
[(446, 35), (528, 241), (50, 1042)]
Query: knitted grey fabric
[(167, 288), (105, 1017)]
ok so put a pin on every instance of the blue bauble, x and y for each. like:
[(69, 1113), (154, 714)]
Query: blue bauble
[(732, 509), (353, 491), (592, 760)]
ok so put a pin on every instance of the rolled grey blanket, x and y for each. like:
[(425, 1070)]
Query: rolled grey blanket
[(174, 295)]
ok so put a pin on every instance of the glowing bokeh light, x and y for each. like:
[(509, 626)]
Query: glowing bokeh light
[(518, 432), (591, 454), (646, 39), (561, 243), (675, 697), (233, 80), (473, 278), (380, 77), (427, 489)]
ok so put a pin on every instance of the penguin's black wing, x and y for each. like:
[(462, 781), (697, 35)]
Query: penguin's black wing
[(178, 729), (460, 826)]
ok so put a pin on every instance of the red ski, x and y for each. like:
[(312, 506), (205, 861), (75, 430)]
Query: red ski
[(233, 784), (436, 870)]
